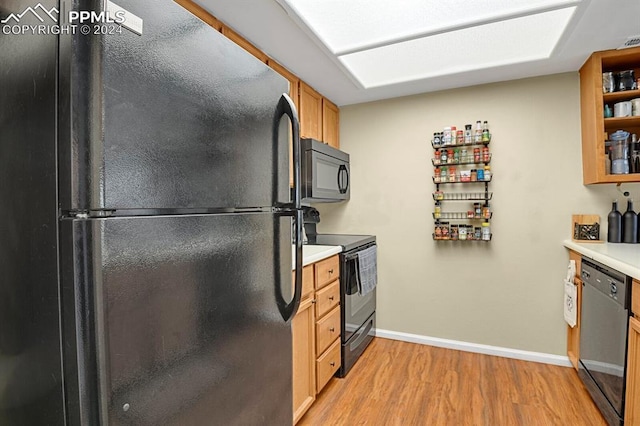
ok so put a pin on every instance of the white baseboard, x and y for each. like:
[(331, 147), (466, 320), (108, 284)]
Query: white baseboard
[(476, 348)]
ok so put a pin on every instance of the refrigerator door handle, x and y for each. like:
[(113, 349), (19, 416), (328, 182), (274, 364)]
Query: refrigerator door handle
[(287, 107), (288, 310)]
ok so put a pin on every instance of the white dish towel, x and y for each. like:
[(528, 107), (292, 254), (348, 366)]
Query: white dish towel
[(367, 270), (570, 296)]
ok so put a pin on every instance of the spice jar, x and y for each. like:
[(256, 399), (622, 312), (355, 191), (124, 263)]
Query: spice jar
[(487, 173), (436, 175), (462, 232), (454, 232), (436, 157), (474, 175), (486, 212), (463, 155), (480, 174), (477, 233), (468, 137), (438, 232), (476, 155), (456, 156), (444, 227), (477, 138), (437, 212), (459, 137), (486, 231), (443, 174), (485, 154), (443, 156), (436, 139), (477, 209), (438, 195), (452, 174), (449, 156), (446, 136)]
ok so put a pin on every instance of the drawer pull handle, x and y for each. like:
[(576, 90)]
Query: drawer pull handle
[(313, 301), (332, 329), (331, 298), (330, 271), (333, 364)]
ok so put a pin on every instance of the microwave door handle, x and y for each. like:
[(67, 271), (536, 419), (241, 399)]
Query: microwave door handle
[(343, 169)]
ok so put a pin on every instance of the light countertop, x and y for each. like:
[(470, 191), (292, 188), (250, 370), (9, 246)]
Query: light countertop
[(313, 253), (621, 257)]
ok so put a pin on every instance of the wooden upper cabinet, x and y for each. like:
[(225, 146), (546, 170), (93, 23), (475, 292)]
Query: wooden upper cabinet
[(592, 102), (310, 112), (200, 13), (293, 80), (330, 123), (244, 43)]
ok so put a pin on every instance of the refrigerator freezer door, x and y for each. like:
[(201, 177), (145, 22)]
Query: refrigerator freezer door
[(178, 117), (187, 329)]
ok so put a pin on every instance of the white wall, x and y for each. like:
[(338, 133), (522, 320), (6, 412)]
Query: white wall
[(505, 293)]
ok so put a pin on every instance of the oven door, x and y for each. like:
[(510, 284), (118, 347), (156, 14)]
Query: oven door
[(357, 308), (603, 345)]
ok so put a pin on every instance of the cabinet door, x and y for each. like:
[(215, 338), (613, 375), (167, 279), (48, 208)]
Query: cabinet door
[(573, 334), (632, 410), (310, 112), (330, 123), (304, 374), (244, 43)]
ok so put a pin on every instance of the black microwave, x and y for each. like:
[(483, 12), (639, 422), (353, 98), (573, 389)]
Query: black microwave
[(325, 172)]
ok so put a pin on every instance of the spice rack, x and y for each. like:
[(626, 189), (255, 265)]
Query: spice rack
[(464, 162)]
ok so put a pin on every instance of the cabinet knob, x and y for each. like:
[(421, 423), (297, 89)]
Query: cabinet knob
[(330, 271), (332, 329), (331, 298), (313, 301), (333, 364)]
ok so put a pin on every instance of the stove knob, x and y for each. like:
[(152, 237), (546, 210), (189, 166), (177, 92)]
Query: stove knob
[(613, 288)]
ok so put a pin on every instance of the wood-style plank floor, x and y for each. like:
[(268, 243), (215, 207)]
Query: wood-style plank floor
[(404, 384)]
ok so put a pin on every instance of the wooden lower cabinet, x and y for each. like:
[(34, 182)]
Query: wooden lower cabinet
[(304, 349), (316, 334), (632, 404)]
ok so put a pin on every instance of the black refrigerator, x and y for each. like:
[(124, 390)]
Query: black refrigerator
[(146, 221)]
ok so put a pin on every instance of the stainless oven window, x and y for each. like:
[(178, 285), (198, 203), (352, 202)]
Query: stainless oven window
[(358, 308)]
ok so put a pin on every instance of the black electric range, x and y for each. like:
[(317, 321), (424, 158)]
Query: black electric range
[(358, 312)]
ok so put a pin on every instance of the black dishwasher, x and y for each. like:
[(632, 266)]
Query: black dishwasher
[(603, 337)]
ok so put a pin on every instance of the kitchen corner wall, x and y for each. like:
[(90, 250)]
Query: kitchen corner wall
[(508, 292)]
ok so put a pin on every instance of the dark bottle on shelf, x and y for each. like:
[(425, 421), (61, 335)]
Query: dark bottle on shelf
[(614, 221), (630, 225)]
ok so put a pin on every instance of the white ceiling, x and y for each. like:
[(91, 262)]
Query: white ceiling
[(356, 51)]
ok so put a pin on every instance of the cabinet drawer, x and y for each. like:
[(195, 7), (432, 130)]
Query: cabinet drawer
[(327, 330), (326, 271), (327, 365), (327, 298)]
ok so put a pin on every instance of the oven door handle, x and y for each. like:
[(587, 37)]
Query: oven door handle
[(357, 340)]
